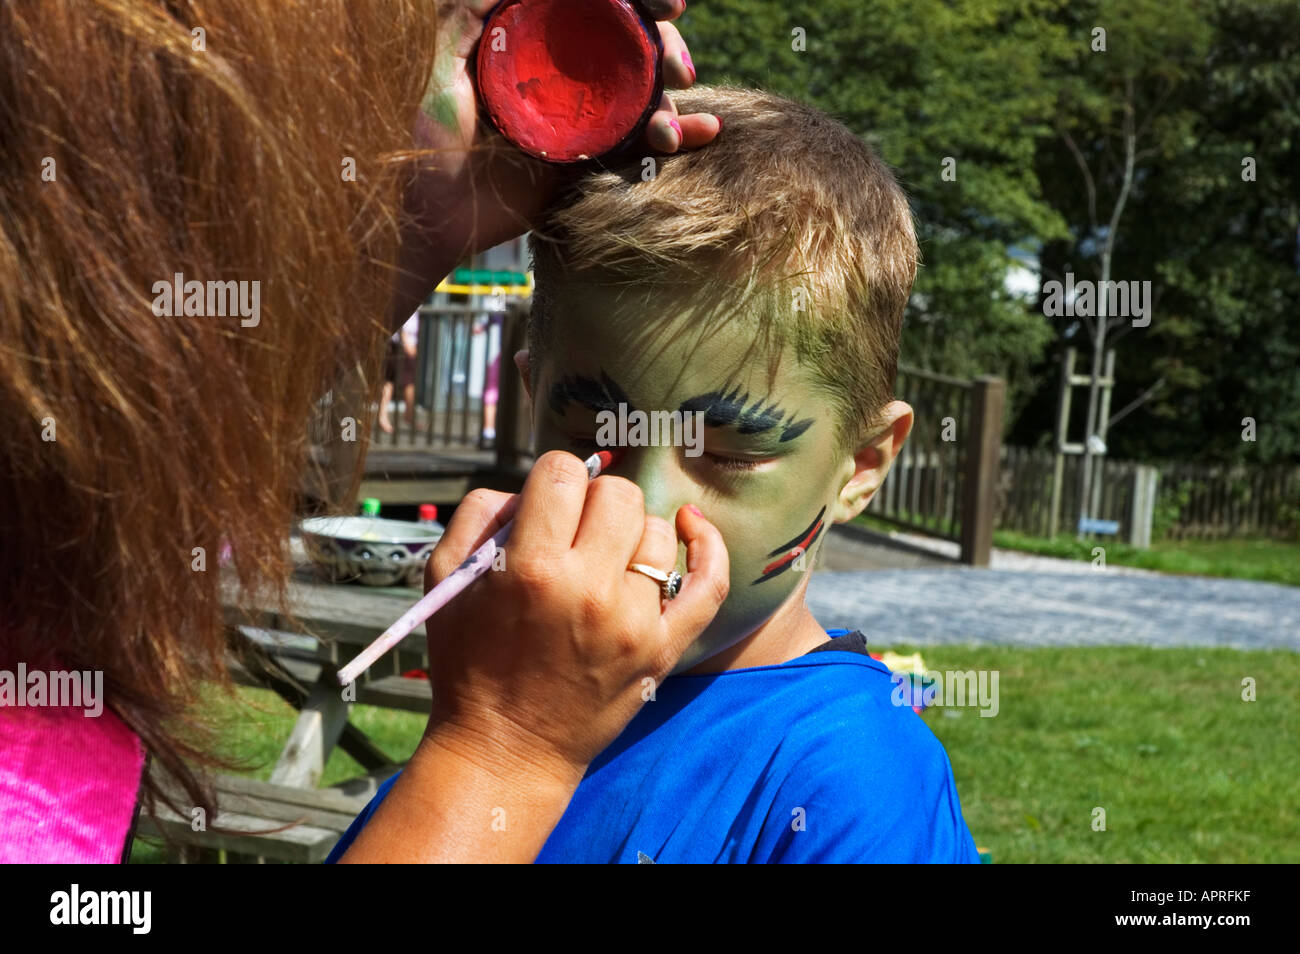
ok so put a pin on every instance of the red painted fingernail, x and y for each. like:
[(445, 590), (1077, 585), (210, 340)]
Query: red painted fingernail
[(686, 58), (719, 119), (695, 510), (677, 126)]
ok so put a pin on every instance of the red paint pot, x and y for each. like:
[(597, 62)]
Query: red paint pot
[(569, 80)]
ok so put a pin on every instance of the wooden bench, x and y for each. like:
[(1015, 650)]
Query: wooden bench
[(303, 671), (287, 819), (387, 692), (260, 822)]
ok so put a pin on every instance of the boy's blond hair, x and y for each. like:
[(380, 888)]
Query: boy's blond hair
[(787, 218)]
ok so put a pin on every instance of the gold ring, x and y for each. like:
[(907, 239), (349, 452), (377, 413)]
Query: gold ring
[(669, 583)]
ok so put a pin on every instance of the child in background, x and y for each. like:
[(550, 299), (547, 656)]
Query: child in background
[(402, 350), (492, 375), (761, 285)]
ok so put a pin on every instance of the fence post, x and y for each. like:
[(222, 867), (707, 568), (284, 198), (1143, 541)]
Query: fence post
[(979, 490), (514, 428), (1144, 504), (340, 472), (1062, 428)]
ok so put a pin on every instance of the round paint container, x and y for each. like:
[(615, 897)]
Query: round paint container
[(569, 80)]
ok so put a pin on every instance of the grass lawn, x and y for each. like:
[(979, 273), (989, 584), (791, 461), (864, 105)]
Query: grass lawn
[(1160, 738), (1274, 561)]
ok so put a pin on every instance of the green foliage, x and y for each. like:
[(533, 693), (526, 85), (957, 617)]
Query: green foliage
[(1171, 498)]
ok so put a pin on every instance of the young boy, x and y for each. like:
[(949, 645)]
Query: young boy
[(756, 286)]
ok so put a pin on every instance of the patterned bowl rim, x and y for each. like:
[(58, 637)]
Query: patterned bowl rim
[(378, 531)]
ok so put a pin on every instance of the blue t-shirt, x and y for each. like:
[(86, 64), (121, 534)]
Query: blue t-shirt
[(807, 761)]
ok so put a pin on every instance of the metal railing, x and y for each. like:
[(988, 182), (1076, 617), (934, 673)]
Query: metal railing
[(448, 381)]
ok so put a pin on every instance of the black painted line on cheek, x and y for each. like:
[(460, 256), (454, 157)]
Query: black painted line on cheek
[(794, 541), (787, 561)]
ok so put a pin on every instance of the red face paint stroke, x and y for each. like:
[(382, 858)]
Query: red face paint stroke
[(575, 77), (799, 548), (796, 547)]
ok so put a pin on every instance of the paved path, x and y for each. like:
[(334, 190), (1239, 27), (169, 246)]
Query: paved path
[(1056, 606), (1000, 559)]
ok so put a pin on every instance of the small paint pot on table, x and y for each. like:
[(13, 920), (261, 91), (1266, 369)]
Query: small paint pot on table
[(569, 80)]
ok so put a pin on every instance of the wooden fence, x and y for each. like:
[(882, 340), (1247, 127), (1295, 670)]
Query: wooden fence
[(1191, 500), (943, 482), (1024, 496), (436, 452), (457, 344), (1208, 501)]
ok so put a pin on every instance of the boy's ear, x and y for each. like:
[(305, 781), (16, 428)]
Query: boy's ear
[(871, 462), (525, 371)]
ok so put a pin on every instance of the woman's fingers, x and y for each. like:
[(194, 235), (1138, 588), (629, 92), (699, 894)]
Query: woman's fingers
[(664, 132), (679, 71), (480, 515), (708, 580), (664, 9), (698, 129), (550, 506), (612, 521), (658, 549), (667, 131)]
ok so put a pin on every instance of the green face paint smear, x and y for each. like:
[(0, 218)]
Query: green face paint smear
[(439, 102)]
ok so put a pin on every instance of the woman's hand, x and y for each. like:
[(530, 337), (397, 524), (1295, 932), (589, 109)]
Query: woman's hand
[(479, 191), (537, 666), (547, 658)]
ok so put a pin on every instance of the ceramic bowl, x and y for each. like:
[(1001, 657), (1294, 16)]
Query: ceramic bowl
[(369, 550)]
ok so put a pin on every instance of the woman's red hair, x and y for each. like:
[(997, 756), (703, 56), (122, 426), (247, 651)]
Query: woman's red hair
[(210, 138)]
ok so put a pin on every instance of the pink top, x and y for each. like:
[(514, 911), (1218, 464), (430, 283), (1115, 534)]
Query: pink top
[(68, 785)]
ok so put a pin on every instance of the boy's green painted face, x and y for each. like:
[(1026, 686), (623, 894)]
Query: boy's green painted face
[(765, 468)]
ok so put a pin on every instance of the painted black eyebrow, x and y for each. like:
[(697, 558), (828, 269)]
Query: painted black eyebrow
[(721, 409), (602, 395), (729, 409)]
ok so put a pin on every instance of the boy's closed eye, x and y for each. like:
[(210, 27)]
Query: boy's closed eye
[(729, 461)]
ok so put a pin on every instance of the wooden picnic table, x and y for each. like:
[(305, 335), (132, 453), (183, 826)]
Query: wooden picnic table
[(289, 819), (299, 655)]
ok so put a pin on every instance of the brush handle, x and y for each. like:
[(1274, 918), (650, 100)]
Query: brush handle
[(478, 563)]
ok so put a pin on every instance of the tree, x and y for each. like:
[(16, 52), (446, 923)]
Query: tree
[(1113, 116), (1212, 85)]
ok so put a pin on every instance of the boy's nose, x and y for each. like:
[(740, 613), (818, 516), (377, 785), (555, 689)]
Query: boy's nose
[(655, 471)]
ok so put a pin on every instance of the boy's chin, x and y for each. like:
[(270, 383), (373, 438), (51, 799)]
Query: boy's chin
[(694, 655), (711, 642)]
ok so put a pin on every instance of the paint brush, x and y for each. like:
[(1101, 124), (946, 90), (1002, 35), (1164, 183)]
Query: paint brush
[(478, 563)]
